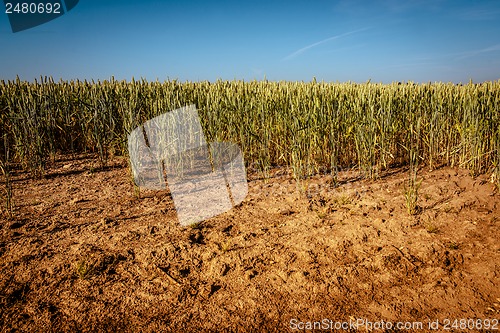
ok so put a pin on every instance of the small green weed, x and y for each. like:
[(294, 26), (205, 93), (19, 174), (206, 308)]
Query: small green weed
[(195, 226), (432, 229), (225, 246), (83, 269)]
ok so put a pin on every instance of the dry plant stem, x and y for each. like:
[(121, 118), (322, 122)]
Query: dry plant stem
[(4, 169), (412, 187)]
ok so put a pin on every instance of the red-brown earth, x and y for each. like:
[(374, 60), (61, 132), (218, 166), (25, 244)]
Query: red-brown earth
[(84, 252)]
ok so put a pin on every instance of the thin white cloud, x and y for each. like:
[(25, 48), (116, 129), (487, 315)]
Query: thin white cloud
[(397, 6), (446, 57), (302, 50), (474, 53), (478, 14)]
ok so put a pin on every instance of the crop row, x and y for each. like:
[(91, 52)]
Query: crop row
[(312, 127)]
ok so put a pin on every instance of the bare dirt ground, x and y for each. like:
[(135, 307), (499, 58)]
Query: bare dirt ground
[(85, 253)]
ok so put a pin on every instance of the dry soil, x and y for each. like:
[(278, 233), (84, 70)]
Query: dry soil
[(85, 252)]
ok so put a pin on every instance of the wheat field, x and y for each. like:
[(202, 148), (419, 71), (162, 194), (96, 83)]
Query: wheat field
[(312, 127)]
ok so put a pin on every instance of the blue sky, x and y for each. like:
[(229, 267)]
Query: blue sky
[(342, 40)]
